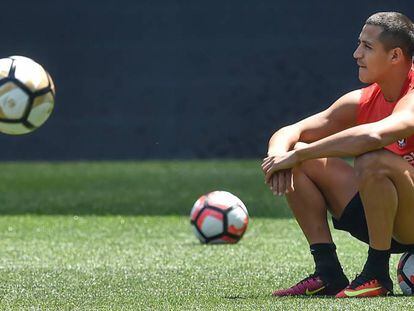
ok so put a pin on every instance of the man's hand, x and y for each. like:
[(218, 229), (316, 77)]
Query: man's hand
[(277, 170), (281, 182)]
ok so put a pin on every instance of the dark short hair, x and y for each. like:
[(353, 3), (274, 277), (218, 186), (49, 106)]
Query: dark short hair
[(398, 31)]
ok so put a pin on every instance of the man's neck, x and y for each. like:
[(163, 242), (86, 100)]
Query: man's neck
[(391, 87)]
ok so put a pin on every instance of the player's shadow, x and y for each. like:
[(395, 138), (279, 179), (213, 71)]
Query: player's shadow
[(241, 297), (398, 295), (303, 297)]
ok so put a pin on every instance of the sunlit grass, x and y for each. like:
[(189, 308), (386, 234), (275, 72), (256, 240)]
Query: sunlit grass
[(155, 263), (116, 236)]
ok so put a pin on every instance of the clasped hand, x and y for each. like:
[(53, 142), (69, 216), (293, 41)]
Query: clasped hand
[(278, 172)]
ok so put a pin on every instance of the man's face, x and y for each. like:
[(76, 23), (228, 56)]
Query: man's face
[(372, 58)]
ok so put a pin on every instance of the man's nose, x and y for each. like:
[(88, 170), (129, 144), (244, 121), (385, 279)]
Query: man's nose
[(357, 53)]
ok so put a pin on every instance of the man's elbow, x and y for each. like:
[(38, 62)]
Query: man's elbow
[(282, 131), (375, 141)]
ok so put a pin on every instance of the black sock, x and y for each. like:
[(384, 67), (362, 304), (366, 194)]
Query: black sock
[(377, 264), (326, 261)]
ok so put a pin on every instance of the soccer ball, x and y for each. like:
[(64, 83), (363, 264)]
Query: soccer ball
[(405, 273), (219, 217), (27, 95)]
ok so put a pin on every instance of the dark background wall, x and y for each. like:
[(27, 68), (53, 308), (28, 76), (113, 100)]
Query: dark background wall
[(181, 79)]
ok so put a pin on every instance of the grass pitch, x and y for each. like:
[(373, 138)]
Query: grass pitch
[(116, 236)]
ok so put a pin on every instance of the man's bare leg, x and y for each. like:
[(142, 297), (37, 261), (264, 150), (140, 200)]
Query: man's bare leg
[(379, 197), (387, 190), (320, 185), (386, 186)]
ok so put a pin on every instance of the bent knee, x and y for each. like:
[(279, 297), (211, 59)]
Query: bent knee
[(372, 158), (299, 144), (308, 166), (374, 163), (403, 236), (311, 168)]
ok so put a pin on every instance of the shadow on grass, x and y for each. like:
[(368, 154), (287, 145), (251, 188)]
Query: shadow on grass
[(342, 299), (241, 297)]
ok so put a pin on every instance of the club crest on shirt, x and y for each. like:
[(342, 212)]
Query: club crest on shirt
[(401, 143)]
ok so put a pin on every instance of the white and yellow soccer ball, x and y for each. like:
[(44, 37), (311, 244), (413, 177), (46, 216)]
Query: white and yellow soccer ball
[(219, 217), (27, 95)]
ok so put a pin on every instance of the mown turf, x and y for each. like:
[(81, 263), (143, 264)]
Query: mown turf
[(116, 236), (155, 263), (130, 188)]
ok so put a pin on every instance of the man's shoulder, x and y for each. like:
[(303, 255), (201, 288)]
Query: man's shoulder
[(369, 92), (351, 98), (409, 96)]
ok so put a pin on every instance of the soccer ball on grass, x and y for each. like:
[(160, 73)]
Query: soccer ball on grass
[(405, 273), (219, 217), (27, 95)]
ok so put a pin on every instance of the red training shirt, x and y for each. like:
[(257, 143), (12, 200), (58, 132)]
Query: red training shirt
[(373, 107)]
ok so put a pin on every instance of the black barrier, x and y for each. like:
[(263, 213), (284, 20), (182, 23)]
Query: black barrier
[(181, 79)]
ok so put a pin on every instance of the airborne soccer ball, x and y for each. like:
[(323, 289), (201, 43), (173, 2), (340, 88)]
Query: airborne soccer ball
[(219, 217), (27, 95), (405, 273)]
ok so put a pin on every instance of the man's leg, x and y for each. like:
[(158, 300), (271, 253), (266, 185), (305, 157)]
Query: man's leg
[(321, 185), (386, 187)]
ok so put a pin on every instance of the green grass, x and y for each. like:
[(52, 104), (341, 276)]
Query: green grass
[(130, 188), (154, 262), (97, 236)]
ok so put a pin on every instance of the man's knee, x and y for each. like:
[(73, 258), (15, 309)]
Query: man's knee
[(374, 164), (309, 167), (299, 144)]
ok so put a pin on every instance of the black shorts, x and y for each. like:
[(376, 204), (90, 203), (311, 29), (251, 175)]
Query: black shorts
[(353, 221)]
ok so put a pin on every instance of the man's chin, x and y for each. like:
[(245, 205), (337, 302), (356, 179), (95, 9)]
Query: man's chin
[(364, 79)]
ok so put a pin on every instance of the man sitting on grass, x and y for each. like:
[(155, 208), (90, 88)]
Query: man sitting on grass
[(374, 200)]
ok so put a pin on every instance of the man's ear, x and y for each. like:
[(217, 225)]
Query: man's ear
[(397, 55)]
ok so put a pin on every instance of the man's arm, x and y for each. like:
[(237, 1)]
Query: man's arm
[(350, 142), (367, 137), (339, 116)]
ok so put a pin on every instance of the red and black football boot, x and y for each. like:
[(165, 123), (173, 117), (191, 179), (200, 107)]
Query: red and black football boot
[(365, 286)]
